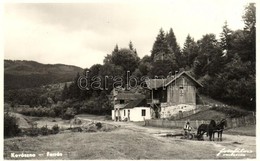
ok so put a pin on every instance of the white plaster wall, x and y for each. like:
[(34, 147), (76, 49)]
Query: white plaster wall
[(136, 114), (113, 114)]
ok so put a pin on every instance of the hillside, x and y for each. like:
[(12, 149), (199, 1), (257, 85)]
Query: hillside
[(28, 74), (218, 111)]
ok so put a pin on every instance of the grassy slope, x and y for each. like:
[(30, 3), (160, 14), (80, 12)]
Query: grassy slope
[(206, 115), (131, 142), (217, 113), (120, 144), (209, 101)]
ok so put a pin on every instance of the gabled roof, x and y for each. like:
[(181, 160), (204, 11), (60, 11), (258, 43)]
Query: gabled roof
[(158, 83), (129, 96), (136, 103), (186, 73)]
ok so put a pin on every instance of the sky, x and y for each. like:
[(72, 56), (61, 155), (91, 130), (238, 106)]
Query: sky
[(82, 34)]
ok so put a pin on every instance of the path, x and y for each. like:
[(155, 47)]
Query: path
[(230, 142)]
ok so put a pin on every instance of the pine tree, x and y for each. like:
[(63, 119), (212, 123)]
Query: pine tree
[(160, 45), (131, 47), (250, 18), (250, 32), (225, 38), (116, 49), (174, 48), (74, 88), (108, 58), (189, 51), (65, 92)]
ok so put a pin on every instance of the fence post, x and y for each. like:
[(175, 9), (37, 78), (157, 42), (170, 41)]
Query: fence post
[(162, 123)]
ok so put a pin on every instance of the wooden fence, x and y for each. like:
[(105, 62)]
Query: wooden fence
[(231, 122)]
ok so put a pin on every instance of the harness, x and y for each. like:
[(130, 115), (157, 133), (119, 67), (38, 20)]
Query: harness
[(218, 127)]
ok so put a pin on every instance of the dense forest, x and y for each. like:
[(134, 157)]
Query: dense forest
[(226, 67)]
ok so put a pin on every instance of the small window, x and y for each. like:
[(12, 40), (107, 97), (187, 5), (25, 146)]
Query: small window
[(181, 87), (143, 112), (122, 101)]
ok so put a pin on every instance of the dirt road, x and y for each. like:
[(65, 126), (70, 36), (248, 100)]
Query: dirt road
[(231, 146), (128, 141)]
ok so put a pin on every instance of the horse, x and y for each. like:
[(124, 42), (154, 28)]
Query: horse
[(209, 128), (220, 127)]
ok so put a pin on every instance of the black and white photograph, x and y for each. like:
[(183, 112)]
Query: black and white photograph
[(129, 80)]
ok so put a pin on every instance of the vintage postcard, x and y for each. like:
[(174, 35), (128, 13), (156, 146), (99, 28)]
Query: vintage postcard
[(129, 80)]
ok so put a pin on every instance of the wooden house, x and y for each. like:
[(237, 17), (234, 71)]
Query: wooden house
[(172, 95)]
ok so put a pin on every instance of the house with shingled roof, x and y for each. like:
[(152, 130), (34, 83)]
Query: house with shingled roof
[(129, 106), (172, 95)]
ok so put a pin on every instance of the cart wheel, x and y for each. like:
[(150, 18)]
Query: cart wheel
[(190, 136)]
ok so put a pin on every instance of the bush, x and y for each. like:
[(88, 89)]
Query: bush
[(69, 114), (55, 129), (32, 132), (44, 130), (51, 113), (99, 125), (11, 128)]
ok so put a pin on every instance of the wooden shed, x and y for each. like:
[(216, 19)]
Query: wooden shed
[(173, 94)]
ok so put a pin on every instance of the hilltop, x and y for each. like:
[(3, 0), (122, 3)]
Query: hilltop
[(20, 74)]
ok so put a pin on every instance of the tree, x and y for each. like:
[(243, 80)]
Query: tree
[(209, 55), (250, 18), (107, 59), (131, 47), (74, 90), (225, 39), (174, 48), (108, 72), (11, 127), (250, 32), (145, 65), (116, 49), (65, 92), (126, 58), (189, 51), (161, 68), (94, 70), (160, 45), (235, 84)]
